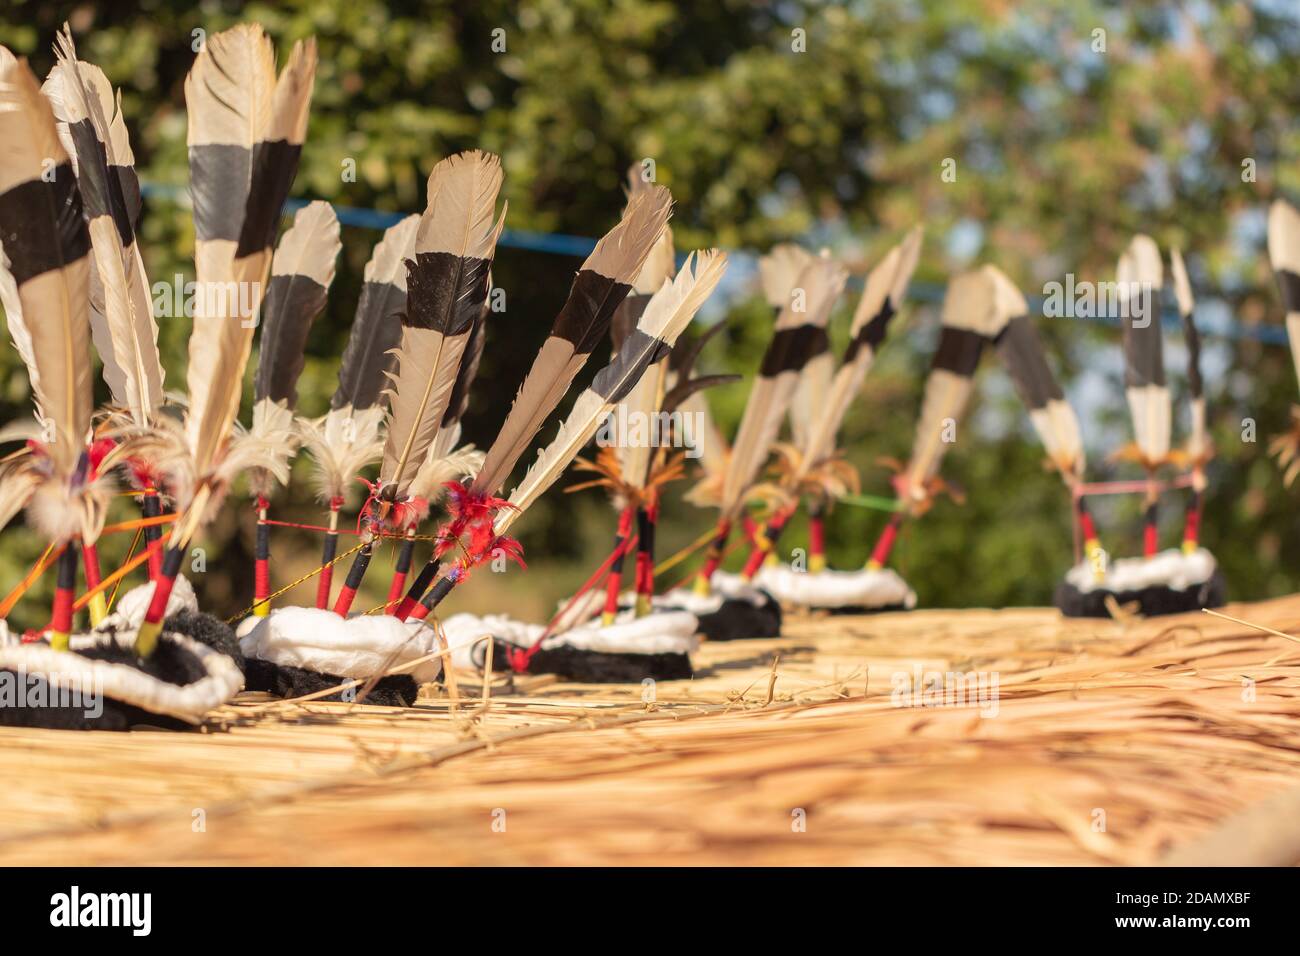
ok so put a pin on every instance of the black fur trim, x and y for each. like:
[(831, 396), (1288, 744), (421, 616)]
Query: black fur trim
[(207, 629), (396, 690), (601, 667), (857, 609), (739, 618), (169, 662), (1152, 601)]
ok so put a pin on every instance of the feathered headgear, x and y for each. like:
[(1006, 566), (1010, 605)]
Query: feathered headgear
[(246, 130), (800, 337), (971, 320), (600, 285), (447, 285)]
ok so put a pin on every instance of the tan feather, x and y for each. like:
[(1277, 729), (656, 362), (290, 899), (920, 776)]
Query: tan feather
[(436, 470), (22, 338), (617, 259), (54, 315), (234, 99), (779, 272), (821, 282), (661, 261), (969, 305), (122, 323), (1284, 255), (458, 221), (665, 318)]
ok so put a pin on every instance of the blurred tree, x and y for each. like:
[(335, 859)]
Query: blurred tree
[(1068, 126)]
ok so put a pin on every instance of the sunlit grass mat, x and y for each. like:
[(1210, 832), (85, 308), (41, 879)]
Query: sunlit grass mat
[(946, 737)]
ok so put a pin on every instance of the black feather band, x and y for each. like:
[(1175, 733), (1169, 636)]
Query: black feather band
[(959, 351), (586, 315), (100, 197), (792, 349), (41, 225), (1289, 284), (1144, 349), (378, 331), (1021, 353), (281, 359), (275, 164), (616, 380), (445, 292), (872, 333), (218, 172)]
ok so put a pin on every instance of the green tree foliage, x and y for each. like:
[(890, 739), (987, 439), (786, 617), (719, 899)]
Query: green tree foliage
[(1068, 125)]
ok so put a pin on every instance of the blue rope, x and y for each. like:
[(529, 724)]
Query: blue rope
[(562, 244)]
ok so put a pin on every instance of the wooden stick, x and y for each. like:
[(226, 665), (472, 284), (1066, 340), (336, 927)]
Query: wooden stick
[(62, 615), (262, 562), (713, 557), (151, 507), (885, 545), (90, 563), (614, 583), (328, 551), (487, 676), (406, 550)]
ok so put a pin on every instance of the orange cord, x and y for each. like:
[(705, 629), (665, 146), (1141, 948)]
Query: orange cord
[(12, 598)]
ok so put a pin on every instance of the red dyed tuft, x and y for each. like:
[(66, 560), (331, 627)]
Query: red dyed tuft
[(471, 518)]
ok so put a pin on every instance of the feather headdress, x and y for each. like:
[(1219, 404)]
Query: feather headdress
[(642, 402), (447, 284), (92, 130), (1021, 352), (482, 517), (600, 285), (1141, 278), (882, 298), (1198, 442), (799, 337), (971, 320), (301, 273), (246, 129)]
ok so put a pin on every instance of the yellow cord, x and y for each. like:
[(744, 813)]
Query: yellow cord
[(293, 584)]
